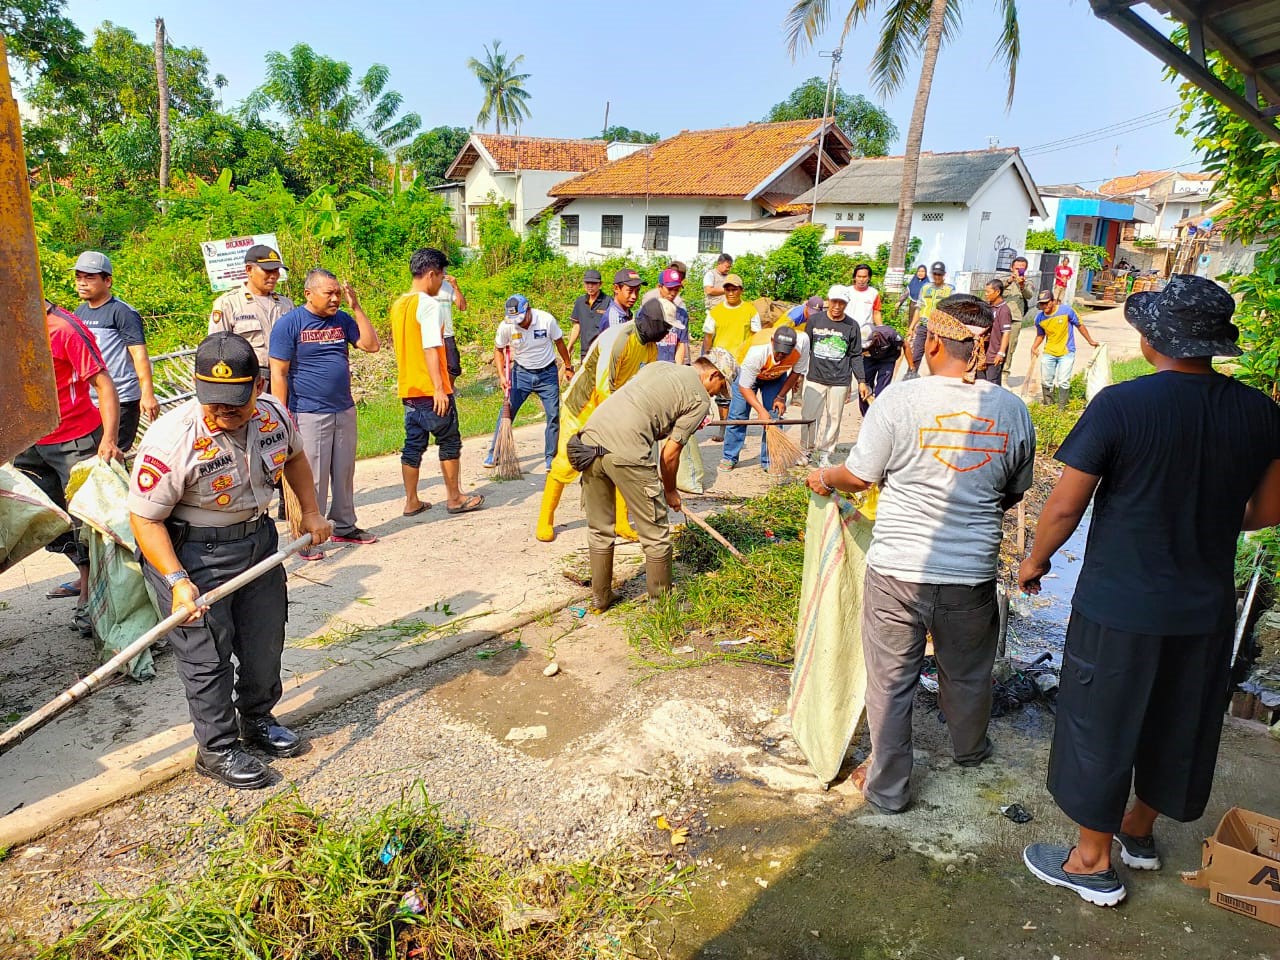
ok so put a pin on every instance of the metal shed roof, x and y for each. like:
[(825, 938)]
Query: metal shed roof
[(1245, 32)]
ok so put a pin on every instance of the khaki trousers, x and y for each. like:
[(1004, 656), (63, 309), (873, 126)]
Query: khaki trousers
[(641, 489), (825, 407)]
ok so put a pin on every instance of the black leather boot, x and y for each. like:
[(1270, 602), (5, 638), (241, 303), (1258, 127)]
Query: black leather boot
[(269, 736), (233, 767)]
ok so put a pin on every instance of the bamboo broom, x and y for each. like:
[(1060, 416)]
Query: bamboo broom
[(783, 452), (505, 457)]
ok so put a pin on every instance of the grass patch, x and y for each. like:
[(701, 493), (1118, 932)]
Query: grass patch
[(716, 598), (1130, 368), (381, 418), (292, 884)]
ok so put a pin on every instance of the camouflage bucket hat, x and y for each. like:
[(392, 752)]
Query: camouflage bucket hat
[(1190, 317)]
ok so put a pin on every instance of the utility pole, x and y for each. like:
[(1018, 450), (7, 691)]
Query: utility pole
[(828, 108), (162, 82), (604, 134)]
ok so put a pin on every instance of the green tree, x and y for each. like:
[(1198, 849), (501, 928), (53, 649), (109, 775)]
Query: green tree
[(617, 134), (309, 87), (909, 29), (40, 37), (433, 151), (506, 101), (870, 128)]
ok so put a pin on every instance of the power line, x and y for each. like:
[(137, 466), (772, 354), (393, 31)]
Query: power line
[(1160, 114), (1084, 141)]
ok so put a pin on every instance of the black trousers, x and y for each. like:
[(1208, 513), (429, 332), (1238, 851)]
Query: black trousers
[(248, 625), (49, 467), (1140, 710), (130, 415)]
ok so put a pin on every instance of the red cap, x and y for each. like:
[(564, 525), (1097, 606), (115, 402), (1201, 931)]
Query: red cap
[(671, 278)]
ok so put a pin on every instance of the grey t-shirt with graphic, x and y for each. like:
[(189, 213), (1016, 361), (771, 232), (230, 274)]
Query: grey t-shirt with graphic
[(117, 327), (946, 454)]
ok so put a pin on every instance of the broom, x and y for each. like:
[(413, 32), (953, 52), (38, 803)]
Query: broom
[(505, 457), (783, 452)]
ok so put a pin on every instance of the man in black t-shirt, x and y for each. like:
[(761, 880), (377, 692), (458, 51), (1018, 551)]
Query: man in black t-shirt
[(835, 362), (1181, 461), (588, 310)]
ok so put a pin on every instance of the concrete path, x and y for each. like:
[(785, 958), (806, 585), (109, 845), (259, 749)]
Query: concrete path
[(359, 619), (1106, 326)]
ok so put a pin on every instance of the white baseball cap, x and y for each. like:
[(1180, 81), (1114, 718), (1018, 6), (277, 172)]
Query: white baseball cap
[(838, 292)]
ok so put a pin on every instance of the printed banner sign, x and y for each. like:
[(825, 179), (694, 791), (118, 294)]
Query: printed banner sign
[(224, 259)]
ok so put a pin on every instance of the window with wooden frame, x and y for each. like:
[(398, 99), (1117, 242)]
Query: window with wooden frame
[(848, 236), (710, 236), (611, 230), (568, 230), (657, 232)]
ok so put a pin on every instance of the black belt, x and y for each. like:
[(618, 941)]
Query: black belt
[(539, 370), (235, 531)]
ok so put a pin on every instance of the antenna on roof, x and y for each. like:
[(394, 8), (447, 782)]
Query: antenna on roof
[(604, 133), (828, 105), (993, 143)]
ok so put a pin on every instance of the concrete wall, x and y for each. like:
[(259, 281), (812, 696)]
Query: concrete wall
[(531, 194), (1005, 199), (738, 242), (683, 232), (942, 239)]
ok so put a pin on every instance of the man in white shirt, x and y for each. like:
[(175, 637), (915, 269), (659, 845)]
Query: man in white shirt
[(713, 281), (864, 302), (524, 354), (770, 368)]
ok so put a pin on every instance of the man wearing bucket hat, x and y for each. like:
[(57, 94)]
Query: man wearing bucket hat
[(198, 497), (1180, 460)]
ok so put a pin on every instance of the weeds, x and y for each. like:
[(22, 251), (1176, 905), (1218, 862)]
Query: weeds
[(292, 884), (724, 599)]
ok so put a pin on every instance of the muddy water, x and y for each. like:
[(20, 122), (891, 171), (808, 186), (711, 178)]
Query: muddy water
[(1038, 624)]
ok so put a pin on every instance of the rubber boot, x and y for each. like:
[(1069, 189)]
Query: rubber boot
[(621, 522), (1046, 395), (657, 575), (1064, 394), (601, 578), (547, 514)]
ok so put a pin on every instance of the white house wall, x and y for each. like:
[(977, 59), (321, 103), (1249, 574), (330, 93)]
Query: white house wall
[(1005, 199), (531, 194), (738, 242), (941, 239), (683, 232)]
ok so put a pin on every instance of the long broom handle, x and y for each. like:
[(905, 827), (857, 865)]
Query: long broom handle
[(85, 686), (713, 533), (757, 423)]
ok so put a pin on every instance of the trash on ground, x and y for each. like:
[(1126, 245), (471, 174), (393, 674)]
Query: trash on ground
[(522, 916), (724, 644), (578, 612), (411, 904), (1016, 812), (390, 850), (520, 734), (551, 669), (683, 651), (1240, 866)]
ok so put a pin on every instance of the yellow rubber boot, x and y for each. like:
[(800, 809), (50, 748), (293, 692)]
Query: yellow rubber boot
[(622, 523), (547, 515)]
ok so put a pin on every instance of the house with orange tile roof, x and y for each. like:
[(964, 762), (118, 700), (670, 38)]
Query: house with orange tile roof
[(499, 168), (1176, 195), (672, 198)]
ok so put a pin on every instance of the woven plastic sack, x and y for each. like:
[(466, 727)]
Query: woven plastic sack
[(28, 519), (829, 679), (1098, 376), (119, 603)]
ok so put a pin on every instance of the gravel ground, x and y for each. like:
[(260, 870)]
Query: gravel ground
[(615, 751)]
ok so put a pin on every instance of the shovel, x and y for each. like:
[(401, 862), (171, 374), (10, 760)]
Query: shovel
[(82, 688)]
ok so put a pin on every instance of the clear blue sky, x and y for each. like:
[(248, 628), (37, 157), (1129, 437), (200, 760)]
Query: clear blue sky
[(709, 64)]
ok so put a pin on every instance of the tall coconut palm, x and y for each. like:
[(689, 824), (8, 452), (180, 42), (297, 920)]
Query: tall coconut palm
[(505, 98), (908, 27)]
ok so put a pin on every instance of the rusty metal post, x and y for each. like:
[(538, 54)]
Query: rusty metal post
[(28, 397)]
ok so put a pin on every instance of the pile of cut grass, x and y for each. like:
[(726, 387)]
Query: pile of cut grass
[(291, 884), (719, 598)]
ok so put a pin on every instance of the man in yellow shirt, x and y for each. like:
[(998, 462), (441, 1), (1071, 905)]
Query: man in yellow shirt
[(730, 325), (616, 355), (425, 388), (1055, 331)]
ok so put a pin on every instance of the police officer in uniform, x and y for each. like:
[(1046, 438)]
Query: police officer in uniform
[(252, 309), (198, 501)]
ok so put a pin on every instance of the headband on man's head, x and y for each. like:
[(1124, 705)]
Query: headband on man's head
[(949, 328)]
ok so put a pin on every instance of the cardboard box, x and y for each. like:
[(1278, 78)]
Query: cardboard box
[(1241, 866)]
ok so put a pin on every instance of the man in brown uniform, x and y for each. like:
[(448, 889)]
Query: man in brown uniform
[(252, 309), (198, 501), (616, 453)]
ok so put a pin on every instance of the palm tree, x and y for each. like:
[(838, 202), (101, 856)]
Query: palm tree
[(907, 27), (308, 86), (505, 98)]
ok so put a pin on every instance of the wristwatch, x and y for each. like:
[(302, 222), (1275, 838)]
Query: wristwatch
[(175, 578)]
